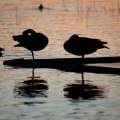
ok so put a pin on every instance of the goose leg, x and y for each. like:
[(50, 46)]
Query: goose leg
[(83, 57), (82, 60), (33, 58)]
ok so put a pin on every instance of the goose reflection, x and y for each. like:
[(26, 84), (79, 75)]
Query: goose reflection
[(34, 87), (83, 91)]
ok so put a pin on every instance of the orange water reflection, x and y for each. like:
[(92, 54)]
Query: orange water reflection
[(91, 18)]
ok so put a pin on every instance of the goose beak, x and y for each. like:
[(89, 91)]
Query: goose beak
[(17, 37)]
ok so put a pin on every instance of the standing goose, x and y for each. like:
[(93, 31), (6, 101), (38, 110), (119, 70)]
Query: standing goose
[(31, 40), (82, 46)]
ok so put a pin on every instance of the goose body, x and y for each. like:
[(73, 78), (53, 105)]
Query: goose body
[(82, 45), (31, 40)]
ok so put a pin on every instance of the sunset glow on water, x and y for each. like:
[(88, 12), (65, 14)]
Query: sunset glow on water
[(58, 21)]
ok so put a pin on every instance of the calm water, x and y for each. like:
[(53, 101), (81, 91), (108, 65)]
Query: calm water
[(22, 100)]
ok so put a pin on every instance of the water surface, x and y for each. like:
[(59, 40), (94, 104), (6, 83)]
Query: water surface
[(21, 99)]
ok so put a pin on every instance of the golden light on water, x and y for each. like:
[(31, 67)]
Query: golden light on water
[(58, 21)]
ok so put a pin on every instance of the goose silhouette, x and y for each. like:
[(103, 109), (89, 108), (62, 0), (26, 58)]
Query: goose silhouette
[(82, 46), (31, 40), (1, 49)]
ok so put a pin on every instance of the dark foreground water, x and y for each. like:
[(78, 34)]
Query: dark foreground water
[(56, 95)]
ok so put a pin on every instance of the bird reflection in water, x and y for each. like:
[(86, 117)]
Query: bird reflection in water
[(83, 91), (33, 87)]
